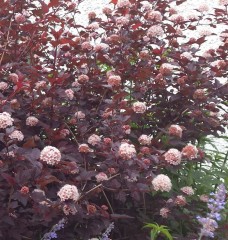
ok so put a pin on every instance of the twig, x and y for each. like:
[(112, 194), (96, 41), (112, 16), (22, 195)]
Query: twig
[(101, 100), (91, 190), (98, 186), (84, 186), (24, 237), (10, 197), (107, 201), (7, 39), (71, 133)]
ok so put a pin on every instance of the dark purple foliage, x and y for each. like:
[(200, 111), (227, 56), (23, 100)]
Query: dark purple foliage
[(43, 53)]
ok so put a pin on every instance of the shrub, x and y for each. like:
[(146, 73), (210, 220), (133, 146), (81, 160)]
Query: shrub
[(92, 108)]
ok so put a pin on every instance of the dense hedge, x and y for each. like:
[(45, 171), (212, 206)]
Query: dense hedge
[(97, 122)]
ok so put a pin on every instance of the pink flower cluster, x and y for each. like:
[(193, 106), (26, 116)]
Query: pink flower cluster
[(173, 156), (164, 212), (69, 94), (186, 55), (47, 101), (145, 150), (203, 8), (155, 16), (3, 86), (50, 155), (68, 192), (155, 31), (107, 11), (24, 190), (92, 15), (101, 47), (187, 190), (114, 38), (122, 21), (175, 130), (126, 129), (123, 4), (192, 17), (76, 84), (199, 94), (144, 139), (203, 31), (180, 200), (162, 182), (94, 139), (204, 198), (69, 209), (84, 148), (146, 6), (172, 11), (87, 46), (64, 132), (79, 115), (220, 64), (5, 120), (166, 69), (31, 121), (177, 18), (18, 135), (127, 151), (83, 79), (144, 55), (223, 2), (107, 141), (139, 107), (40, 84), (190, 151), (93, 26), (114, 80), (13, 77), (101, 177), (20, 18)]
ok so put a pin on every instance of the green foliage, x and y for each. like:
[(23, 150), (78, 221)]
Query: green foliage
[(215, 169), (156, 230), (203, 177), (104, 67)]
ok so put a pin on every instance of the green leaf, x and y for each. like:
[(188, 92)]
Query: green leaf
[(167, 234), (153, 234), (151, 225), (156, 230)]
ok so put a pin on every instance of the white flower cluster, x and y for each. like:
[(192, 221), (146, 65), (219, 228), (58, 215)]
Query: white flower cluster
[(18, 135), (101, 177), (94, 139), (127, 151), (50, 155), (5, 120), (139, 107), (162, 182), (173, 156), (144, 139), (31, 121), (187, 190), (68, 192)]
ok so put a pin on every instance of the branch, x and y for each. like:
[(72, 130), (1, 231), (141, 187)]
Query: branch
[(98, 186), (7, 40)]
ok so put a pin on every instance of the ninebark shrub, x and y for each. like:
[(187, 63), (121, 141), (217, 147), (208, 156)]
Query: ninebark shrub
[(96, 121)]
